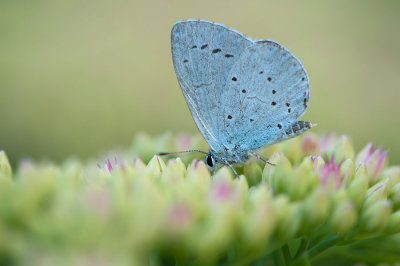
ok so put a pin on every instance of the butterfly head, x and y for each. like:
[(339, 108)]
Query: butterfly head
[(209, 160)]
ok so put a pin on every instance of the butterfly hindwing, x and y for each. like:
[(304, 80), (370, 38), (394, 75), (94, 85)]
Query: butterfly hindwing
[(267, 91)]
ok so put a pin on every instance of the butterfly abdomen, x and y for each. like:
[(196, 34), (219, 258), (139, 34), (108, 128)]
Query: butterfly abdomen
[(297, 128)]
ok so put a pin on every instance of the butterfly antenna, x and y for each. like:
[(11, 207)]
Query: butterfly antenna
[(179, 152)]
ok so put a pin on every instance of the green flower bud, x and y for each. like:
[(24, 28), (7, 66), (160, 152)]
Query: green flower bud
[(139, 165), (309, 144), (302, 180), (347, 172), (375, 216), (393, 174), (174, 172), (344, 217), (357, 188), (327, 143), (373, 159), (5, 167), (329, 175), (343, 150), (316, 208), (288, 218), (277, 175), (260, 219), (224, 173), (242, 186), (143, 145), (393, 225), (291, 148), (198, 174), (156, 165), (376, 193), (318, 162), (394, 195), (252, 171)]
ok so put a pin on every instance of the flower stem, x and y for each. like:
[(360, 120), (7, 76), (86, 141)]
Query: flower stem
[(286, 254), (321, 247), (303, 247)]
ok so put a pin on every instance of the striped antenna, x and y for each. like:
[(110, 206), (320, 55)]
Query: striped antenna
[(179, 152)]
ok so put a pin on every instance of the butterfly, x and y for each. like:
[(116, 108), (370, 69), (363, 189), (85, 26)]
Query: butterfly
[(243, 94)]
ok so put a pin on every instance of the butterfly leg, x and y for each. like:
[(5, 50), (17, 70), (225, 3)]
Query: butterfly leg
[(258, 156), (234, 171)]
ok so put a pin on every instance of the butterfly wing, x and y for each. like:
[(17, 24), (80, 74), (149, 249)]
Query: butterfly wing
[(267, 92), (203, 54)]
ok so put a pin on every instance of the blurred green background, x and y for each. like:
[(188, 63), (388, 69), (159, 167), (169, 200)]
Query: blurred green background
[(81, 77)]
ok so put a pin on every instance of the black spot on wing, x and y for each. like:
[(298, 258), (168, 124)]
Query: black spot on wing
[(203, 46), (216, 51)]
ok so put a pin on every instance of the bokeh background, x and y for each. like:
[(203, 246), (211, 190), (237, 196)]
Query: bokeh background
[(80, 77)]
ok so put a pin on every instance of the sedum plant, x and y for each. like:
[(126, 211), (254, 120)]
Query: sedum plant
[(322, 202)]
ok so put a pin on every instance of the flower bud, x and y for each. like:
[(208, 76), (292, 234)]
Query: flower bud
[(139, 165), (376, 193), (156, 165), (260, 219), (252, 171), (241, 186), (290, 148), (344, 217), (288, 218), (373, 159), (5, 167), (198, 173), (375, 216), (174, 172), (316, 208), (347, 171), (327, 142), (329, 175), (343, 149), (393, 173), (222, 189), (394, 195), (318, 162), (302, 180), (223, 173), (143, 145), (276, 175), (393, 225), (357, 188), (309, 144)]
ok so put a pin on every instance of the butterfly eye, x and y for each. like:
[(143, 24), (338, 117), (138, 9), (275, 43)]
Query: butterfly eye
[(209, 160)]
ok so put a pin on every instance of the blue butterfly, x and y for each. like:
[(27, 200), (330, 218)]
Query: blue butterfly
[(242, 94)]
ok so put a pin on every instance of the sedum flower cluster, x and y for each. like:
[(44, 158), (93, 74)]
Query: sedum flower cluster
[(321, 203)]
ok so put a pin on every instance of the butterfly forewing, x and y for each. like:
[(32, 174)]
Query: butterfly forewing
[(203, 54)]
